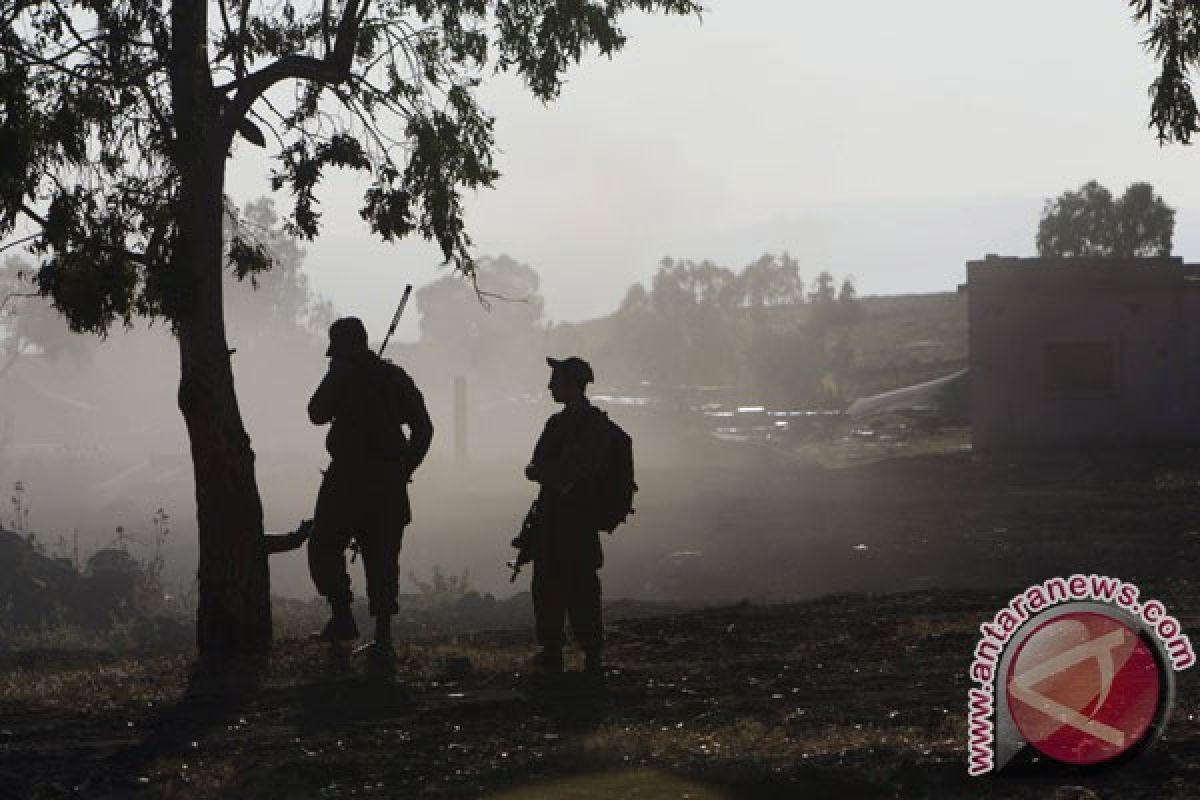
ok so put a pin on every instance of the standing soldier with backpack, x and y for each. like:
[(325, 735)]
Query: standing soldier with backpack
[(575, 461), (364, 495)]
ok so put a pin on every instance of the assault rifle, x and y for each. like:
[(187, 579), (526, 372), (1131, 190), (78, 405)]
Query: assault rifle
[(528, 541), (395, 318)]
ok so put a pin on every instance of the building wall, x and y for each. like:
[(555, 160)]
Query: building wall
[(1074, 351)]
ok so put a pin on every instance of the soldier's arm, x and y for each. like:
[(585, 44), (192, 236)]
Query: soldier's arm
[(536, 469), (322, 407), (420, 427)]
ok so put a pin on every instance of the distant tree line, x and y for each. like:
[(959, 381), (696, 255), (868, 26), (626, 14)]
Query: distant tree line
[(697, 324), (760, 328)]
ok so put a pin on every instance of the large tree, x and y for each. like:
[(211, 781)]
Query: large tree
[(118, 117), (1090, 222), (449, 308), (770, 281)]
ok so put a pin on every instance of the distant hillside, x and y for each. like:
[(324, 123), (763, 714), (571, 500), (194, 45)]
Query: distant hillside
[(901, 339), (906, 339)]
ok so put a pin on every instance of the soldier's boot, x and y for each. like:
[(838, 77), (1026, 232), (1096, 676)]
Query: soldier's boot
[(593, 669), (341, 627), (383, 630), (381, 645), (548, 662)]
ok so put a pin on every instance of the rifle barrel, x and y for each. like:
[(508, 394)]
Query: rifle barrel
[(396, 317)]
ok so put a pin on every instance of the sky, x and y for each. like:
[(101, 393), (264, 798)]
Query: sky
[(886, 141)]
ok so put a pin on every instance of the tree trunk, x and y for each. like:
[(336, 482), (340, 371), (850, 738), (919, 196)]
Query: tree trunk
[(234, 616)]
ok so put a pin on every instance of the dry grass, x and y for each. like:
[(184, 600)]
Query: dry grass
[(844, 696), (106, 683), (749, 738), (949, 623)]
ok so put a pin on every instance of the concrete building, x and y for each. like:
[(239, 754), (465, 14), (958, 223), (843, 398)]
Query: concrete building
[(1083, 351)]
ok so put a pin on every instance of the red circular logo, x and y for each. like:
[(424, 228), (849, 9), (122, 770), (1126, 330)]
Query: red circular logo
[(1084, 688)]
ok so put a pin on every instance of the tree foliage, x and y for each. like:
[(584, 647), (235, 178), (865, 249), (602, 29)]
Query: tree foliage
[(770, 281), (1090, 223), (93, 146), (450, 309), (1173, 38), (475, 327)]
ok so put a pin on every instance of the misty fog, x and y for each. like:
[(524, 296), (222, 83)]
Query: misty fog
[(91, 430)]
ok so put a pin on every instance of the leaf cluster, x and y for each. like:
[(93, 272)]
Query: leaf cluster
[(86, 146), (1173, 39)]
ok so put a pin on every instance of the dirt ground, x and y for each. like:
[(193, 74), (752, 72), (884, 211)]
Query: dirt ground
[(859, 693)]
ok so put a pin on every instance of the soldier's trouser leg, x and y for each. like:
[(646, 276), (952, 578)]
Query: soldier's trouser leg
[(565, 584), (381, 562), (327, 565), (385, 514), (327, 546), (584, 610), (549, 601), (583, 592)]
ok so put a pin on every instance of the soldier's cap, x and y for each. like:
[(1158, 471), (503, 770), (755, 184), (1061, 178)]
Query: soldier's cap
[(346, 335), (574, 368)]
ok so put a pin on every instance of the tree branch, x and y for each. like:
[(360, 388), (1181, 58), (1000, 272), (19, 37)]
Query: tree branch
[(347, 33), (227, 26), (239, 54), (254, 85), (33, 215), (333, 69), (17, 243)]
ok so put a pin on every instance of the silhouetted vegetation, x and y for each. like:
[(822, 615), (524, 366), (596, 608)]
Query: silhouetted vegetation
[(1090, 223), (759, 330), (1171, 38), (477, 326)]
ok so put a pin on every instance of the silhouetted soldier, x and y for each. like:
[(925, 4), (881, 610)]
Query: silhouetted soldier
[(364, 495), (567, 460)]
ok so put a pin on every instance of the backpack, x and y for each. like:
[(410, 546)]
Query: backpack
[(615, 485), (386, 410)]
